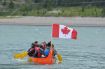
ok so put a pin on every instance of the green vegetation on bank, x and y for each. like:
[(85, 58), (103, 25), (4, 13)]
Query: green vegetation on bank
[(48, 8), (60, 11)]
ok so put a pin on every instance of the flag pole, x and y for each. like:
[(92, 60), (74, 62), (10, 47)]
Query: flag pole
[(51, 34)]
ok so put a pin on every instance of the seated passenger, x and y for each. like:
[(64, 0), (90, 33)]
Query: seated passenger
[(54, 50), (43, 45), (38, 52), (31, 50), (47, 50), (35, 43)]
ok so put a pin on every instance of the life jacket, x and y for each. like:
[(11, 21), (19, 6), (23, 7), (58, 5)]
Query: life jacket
[(46, 52), (38, 54)]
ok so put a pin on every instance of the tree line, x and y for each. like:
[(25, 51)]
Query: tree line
[(54, 3), (25, 7)]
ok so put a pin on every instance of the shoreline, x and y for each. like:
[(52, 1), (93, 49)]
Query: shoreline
[(48, 21)]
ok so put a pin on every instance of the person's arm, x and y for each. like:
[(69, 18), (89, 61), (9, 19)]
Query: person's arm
[(55, 52)]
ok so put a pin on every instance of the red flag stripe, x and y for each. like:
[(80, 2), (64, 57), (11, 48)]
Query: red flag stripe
[(55, 30), (74, 34)]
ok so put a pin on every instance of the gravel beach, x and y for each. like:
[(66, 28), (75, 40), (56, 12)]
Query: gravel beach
[(44, 21)]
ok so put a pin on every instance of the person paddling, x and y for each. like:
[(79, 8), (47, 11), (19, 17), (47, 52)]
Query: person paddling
[(43, 45), (47, 50), (54, 50), (32, 49), (38, 51)]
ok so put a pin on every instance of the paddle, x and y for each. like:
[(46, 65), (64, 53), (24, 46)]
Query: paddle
[(59, 58), (29, 59), (20, 55)]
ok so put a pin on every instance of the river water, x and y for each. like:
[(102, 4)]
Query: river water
[(87, 52)]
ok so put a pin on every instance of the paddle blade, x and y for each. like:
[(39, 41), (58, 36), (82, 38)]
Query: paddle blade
[(20, 55), (59, 58), (29, 59)]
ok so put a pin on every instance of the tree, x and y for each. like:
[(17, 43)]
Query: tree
[(4, 2), (11, 4), (103, 12)]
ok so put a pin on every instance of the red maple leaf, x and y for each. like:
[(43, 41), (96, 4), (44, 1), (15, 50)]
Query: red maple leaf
[(65, 30)]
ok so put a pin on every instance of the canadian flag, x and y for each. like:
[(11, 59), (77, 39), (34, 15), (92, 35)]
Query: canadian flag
[(62, 31)]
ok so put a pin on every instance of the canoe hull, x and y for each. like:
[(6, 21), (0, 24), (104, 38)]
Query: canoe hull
[(47, 60)]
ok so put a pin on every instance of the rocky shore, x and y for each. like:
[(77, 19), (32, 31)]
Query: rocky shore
[(46, 21)]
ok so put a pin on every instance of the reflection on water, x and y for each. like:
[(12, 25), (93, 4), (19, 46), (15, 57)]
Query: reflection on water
[(87, 52)]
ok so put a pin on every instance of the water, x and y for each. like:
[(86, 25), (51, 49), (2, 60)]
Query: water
[(87, 52)]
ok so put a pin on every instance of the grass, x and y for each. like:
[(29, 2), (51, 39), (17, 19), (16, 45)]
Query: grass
[(64, 11)]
